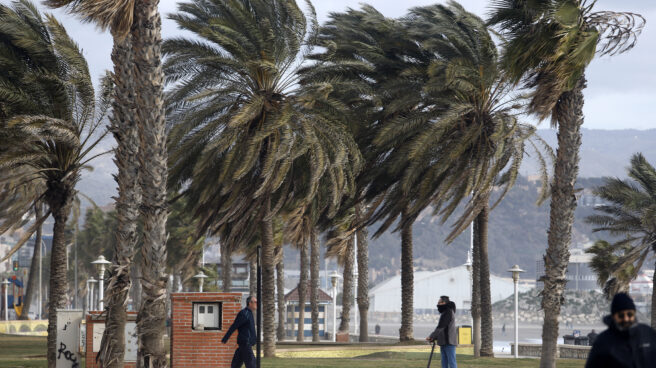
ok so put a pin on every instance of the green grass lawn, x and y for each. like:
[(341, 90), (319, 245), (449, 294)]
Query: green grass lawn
[(24, 351)]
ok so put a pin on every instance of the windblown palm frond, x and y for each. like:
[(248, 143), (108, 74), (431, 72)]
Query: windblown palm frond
[(628, 211), (242, 127), (549, 43)]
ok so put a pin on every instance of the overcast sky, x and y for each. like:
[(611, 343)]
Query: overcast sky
[(621, 90)]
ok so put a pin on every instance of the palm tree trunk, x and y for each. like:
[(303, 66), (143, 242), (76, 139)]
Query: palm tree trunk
[(136, 286), (363, 276), (476, 291), (268, 281), (314, 283), (407, 280), (148, 76), (302, 290), (126, 134), (347, 288), (563, 204), (252, 278), (484, 287), (226, 268), (34, 266), (57, 285), (280, 289), (653, 304)]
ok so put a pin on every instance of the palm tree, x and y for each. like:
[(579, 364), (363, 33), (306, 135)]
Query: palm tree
[(365, 54), (139, 18), (549, 44), (58, 132), (628, 212), (118, 17), (613, 276), (242, 122)]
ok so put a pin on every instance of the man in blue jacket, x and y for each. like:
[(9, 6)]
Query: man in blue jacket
[(245, 324)]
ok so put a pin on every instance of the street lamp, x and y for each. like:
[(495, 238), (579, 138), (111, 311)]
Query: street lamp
[(333, 280), (6, 285), (100, 263), (90, 283), (201, 277), (515, 270)]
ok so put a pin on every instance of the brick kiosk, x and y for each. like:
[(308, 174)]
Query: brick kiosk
[(198, 323), (95, 326)]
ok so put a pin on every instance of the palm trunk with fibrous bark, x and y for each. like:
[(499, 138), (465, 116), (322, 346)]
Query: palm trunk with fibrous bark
[(407, 280), (314, 283), (476, 291), (302, 292), (60, 203), (347, 287), (268, 281), (34, 266), (124, 128), (148, 76), (561, 218), (363, 277), (252, 278), (280, 290), (484, 283)]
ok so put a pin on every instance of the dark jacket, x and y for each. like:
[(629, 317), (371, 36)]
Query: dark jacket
[(245, 324), (445, 332), (634, 348)]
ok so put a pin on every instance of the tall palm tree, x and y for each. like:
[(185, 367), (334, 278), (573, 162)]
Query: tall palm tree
[(117, 16), (57, 134), (628, 212), (365, 54), (549, 44), (242, 122)]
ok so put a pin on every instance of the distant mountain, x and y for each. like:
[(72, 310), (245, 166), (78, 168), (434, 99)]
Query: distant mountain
[(517, 230), (604, 152)]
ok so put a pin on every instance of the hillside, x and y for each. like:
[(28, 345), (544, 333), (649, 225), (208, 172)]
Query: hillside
[(518, 228)]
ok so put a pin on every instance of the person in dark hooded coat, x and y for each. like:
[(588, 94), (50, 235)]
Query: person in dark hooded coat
[(445, 334), (626, 343)]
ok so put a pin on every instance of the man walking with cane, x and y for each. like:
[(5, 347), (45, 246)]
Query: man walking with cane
[(245, 324), (445, 332)]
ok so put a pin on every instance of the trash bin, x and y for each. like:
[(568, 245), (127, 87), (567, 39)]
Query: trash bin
[(581, 340), (464, 335), (569, 339)]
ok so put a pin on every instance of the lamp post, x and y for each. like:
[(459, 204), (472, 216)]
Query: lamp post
[(468, 266), (90, 282), (101, 262), (333, 280), (201, 277), (515, 270), (6, 285)]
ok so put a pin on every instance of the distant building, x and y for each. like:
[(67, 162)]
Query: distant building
[(430, 285), (292, 313), (579, 274), (643, 284)]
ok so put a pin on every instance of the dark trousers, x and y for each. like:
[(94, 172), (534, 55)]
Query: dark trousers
[(243, 355)]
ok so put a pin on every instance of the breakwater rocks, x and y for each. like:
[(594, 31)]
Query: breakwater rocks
[(580, 307)]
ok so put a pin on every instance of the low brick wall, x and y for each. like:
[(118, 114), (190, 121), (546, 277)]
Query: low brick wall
[(564, 351), (202, 348)]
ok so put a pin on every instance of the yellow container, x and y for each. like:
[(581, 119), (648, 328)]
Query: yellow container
[(464, 335)]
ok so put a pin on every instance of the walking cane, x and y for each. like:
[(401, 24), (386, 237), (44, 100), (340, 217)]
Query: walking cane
[(431, 356)]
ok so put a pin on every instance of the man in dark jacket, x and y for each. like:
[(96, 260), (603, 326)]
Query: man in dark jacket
[(445, 333), (626, 343), (246, 338)]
